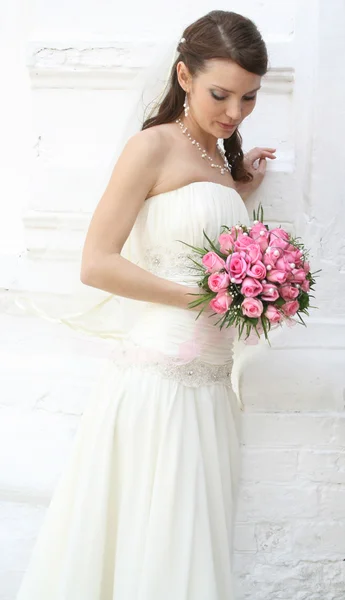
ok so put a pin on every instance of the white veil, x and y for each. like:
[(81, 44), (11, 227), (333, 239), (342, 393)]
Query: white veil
[(86, 309)]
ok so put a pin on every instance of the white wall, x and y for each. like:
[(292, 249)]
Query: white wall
[(65, 67)]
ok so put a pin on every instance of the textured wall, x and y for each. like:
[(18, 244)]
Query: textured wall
[(67, 69)]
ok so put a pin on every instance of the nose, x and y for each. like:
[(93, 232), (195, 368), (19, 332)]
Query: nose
[(234, 110)]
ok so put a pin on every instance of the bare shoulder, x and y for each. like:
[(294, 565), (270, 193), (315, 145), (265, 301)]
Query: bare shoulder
[(146, 155), (155, 141)]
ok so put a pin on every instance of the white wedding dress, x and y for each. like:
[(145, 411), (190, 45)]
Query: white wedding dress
[(144, 508)]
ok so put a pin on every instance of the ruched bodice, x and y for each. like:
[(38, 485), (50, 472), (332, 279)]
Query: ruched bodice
[(183, 214), (167, 334)]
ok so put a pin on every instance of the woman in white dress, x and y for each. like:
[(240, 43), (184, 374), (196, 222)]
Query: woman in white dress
[(144, 508)]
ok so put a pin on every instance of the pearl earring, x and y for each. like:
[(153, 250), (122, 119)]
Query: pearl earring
[(186, 106)]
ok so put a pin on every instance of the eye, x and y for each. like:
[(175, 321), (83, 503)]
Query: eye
[(217, 97), (246, 98)]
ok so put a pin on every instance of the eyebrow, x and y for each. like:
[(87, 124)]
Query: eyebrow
[(224, 90)]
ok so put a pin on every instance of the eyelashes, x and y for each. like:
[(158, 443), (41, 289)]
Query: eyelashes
[(220, 98)]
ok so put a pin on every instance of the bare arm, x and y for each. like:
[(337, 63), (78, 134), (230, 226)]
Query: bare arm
[(103, 267)]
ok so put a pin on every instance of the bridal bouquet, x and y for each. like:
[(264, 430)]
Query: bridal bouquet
[(256, 278)]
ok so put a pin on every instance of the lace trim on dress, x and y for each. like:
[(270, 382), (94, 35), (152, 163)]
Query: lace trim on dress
[(193, 373), (167, 262)]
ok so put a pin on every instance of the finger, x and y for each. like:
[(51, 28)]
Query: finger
[(264, 149), (262, 152), (262, 165), (256, 153), (266, 155)]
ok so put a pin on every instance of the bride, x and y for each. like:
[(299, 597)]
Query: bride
[(145, 508)]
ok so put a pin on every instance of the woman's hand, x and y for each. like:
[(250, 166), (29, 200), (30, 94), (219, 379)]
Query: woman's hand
[(258, 171)]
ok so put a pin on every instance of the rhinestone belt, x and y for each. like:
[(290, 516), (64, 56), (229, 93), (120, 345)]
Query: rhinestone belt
[(192, 374)]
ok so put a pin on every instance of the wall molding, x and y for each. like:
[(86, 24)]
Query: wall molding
[(39, 219), (113, 65), (67, 225)]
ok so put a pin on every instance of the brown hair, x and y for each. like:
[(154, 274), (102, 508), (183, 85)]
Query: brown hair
[(219, 34)]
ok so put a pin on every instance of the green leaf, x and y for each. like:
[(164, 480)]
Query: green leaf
[(241, 329), (279, 302), (214, 248), (264, 325), (303, 300), (299, 316)]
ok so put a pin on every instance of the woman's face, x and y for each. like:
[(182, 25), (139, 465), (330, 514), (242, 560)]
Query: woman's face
[(224, 94)]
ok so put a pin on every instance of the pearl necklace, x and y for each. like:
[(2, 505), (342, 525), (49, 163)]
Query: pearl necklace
[(223, 168)]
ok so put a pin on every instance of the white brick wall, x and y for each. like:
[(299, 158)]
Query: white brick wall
[(289, 542)]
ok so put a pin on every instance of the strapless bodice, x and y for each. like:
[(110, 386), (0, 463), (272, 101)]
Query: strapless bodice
[(179, 215), (164, 336)]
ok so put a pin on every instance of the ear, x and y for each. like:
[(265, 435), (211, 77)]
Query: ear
[(183, 76)]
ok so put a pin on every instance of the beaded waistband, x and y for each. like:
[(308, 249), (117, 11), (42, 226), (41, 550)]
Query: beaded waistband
[(170, 264), (194, 373)]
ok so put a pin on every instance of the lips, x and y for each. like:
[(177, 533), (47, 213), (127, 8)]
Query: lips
[(226, 125)]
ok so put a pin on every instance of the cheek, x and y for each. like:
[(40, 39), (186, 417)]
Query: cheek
[(208, 105), (248, 108), (207, 108)]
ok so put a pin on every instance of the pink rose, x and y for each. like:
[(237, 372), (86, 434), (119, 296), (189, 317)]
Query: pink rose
[(276, 275), (251, 287), (290, 308), (242, 242), (273, 314), (271, 256), (222, 302), (218, 281), (235, 231), (280, 233), (292, 248), (288, 292), (306, 266), (257, 270), (305, 286), (212, 262), (260, 235), (237, 264), (270, 292), (226, 242), (279, 238), (255, 230), (284, 265), (252, 307), (289, 261), (293, 256), (298, 275), (254, 252)]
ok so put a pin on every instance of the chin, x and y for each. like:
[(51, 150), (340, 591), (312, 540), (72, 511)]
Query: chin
[(227, 135)]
